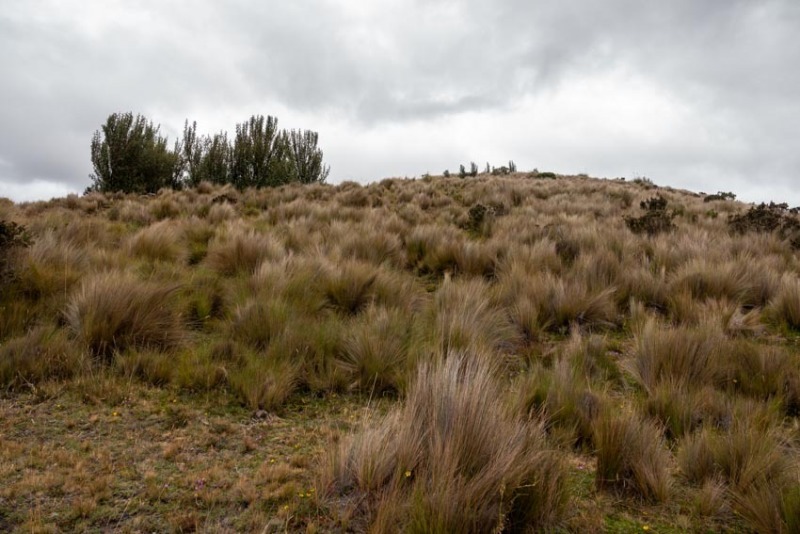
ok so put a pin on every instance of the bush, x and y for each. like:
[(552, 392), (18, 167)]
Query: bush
[(722, 195), (772, 217), (12, 238), (655, 220)]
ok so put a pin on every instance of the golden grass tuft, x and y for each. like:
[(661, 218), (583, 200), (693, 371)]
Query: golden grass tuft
[(376, 351), (434, 464), (689, 355), (631, 457), (162, 241), (113, 311), (240, 250), (45, 352)]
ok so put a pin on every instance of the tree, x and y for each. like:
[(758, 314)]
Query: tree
[(305, 158), (128, 154), (215, 162), (257, 159)]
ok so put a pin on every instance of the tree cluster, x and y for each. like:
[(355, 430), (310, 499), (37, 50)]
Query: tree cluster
[(129, 154)]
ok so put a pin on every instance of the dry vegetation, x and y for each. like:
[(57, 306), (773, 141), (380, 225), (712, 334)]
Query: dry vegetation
[(486, 354)]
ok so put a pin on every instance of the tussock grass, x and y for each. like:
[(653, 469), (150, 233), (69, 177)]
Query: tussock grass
[(259, 322), (113, 311), (464, 319), (434, 465), (566, 402), (265, 383), (631, 457), (239, 250), (43, 353), (376, 350), (349, 287), (50, 266), (680, 354), (161, 241), (785, 307)]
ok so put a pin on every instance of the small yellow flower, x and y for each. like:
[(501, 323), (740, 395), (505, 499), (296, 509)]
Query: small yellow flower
[(115, 414), (408, 474), (645, 527)]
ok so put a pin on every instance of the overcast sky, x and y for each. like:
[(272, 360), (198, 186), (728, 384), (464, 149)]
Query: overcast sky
[(702, 95)]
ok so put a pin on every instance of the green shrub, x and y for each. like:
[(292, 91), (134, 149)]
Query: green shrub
[(655, 220), (12, 237), (722, 195), (764, 218)]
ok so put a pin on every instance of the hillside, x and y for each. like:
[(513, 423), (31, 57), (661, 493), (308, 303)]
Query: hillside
[(493, 353)]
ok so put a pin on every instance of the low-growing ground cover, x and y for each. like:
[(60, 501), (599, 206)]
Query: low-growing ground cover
[(489, 353)]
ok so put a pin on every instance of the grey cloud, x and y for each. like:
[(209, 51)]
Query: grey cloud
[(402, 63)]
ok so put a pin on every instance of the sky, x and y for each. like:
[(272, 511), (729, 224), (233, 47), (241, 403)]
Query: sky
[(695, 95)]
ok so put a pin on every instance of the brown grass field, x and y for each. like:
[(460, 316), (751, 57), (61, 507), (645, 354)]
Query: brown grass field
[(486, 354)]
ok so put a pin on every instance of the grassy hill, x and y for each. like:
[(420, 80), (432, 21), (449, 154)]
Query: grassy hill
[(495, 353)]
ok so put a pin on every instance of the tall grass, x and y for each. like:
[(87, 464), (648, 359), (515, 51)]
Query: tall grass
[(435, 464), (689, 355), (376, 351), (113, 311), (44, 353), (161, 241), (631, 457), (239, 250)]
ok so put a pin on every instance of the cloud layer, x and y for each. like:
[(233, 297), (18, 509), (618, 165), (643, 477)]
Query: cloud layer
[(701, 95)]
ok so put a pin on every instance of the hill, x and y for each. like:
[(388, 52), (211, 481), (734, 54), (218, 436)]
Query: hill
[(491, 353)]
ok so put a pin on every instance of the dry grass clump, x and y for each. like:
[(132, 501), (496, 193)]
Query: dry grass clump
[(549, 303), (376, 350), (50, 266), (785, 307), (131, 211), (376, 246), (113, 311), (220, 212), (744, 280), (464, 318), (45, 352), (755, 467), (688, 355), (260, 321), (631, 457), (680, 408), (162, 241), (265, 383), (435, 464), (349, 286), (432, 249), (295, 279), (241, 250), (565, 400), (150, 366)]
